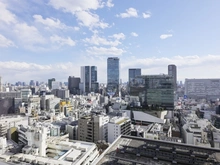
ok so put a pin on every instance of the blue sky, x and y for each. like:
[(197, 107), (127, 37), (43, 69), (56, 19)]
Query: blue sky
[(53, 38)]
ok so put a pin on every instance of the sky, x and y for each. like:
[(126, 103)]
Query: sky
[(53, 38)]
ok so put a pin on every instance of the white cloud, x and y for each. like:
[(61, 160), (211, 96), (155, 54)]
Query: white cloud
[(28, 35), (90, 20), (109, 3), (131, 12), (96, 40), (82, 10), (76, 5), (146, 15), (165, 36), (105, 51), (119, 36), (5, 15), (4, 42), (187, 67), (76, 28), (62, 41), (50, 22), (134, 34)]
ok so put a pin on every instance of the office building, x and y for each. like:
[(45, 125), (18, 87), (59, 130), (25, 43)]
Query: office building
[(61, 93), (202, 88), (159, 91), (113, 75), (173, 72), (55, 85), (133, 73), (50, 82), (88, 79), (0, 83), (32, 83), (93, 74), (73, 85)]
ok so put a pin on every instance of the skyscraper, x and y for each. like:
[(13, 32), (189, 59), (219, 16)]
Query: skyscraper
[(50, 82), (73, 85), (172, 72), (0, 83), (112, 75), (132, 73), (88, 78)]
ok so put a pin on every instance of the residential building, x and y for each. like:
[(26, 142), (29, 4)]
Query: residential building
[(73, 85), (113, 75), (173, 72), (202, 88), (118, 125), (93, 128)]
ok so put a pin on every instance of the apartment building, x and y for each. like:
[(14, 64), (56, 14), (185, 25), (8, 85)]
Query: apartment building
[(93, 128), (118, 126)]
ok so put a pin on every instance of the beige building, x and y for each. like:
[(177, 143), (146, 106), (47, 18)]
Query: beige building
[(93, 128)]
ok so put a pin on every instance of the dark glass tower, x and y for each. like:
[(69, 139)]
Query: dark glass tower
[(112, 75), (132, 73), (172, 72), (93, 74), (89, 79)]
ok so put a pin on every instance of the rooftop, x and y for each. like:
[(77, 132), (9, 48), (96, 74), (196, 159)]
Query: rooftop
[(127, 150)]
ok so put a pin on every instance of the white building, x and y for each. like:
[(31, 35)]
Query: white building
[(55, 85), (202, 88), (117, 126), (42, 149), (193, 133)]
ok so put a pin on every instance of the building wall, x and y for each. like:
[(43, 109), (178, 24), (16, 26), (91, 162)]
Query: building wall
[(132, 73), (118, 126), (202, 88), (113, 74), (173, 72), (73, 85), (7, 106)]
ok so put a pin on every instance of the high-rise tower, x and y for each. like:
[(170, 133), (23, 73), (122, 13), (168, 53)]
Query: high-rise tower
[(0, 83), (88, 79), (132, 73), (113, 75), (172, 72)]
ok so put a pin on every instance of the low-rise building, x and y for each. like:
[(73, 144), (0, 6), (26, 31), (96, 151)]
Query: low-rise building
[(118, 126)]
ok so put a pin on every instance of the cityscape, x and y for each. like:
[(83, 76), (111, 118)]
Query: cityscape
[(106, 82)]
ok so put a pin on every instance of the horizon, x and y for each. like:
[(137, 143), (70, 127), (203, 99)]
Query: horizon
[(40, 40)]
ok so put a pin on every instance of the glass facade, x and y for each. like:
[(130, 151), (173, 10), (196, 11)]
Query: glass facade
[(112, 75), (132, 73), (87, 79), (93, 74), (159, 91), (154, 90)]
